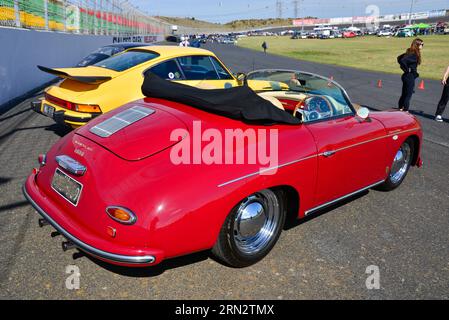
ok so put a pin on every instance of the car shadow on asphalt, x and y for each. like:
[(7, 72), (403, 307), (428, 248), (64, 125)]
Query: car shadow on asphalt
[(294, 222), (425, 115), (143, 272), (10, 133), (14, 205), (4, 180), (15, 114), (418, 113), (58, 129), (173, 263)]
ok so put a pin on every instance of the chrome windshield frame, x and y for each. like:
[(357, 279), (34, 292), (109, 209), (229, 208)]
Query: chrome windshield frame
[(345, 94)]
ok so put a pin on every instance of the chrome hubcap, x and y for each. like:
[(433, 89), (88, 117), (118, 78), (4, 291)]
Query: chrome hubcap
[(256, 221), (400, 163)]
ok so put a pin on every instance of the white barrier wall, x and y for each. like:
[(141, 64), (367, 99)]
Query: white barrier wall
[(21, 50)]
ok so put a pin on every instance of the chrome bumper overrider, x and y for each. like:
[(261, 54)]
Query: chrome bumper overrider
[(85, 247)]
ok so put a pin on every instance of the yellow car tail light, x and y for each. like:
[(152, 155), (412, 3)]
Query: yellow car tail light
[(89, 108)]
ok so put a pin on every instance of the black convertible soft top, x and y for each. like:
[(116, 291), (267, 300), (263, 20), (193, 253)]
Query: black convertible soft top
[(240, 103)]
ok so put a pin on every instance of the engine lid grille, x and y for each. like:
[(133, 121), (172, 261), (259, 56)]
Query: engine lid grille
[(120, 120)]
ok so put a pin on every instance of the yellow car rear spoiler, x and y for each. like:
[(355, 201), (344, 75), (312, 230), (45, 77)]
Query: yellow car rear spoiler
[(80, 78)]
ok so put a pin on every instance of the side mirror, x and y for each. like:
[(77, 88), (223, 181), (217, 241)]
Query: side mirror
[(363, 112), (241, 78)]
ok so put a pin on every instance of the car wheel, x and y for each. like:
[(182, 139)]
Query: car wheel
[(400, 166), (251, 229)]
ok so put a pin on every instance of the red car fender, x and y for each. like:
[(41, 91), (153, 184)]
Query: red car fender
[(400, 126)]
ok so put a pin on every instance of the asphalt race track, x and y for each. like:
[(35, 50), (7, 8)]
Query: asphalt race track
[(404, 232)]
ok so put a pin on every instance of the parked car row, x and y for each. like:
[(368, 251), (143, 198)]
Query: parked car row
[(413, 30), (327, 34)]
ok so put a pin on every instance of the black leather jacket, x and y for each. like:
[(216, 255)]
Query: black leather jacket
[(409, 64)]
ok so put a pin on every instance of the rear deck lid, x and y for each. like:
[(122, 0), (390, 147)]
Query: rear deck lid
[(133, 132)]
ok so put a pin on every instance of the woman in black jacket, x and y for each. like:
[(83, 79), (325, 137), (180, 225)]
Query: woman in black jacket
[(409, 62), (444, 97)]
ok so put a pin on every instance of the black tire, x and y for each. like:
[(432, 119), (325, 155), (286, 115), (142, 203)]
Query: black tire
[(392, 181), (233, 250)]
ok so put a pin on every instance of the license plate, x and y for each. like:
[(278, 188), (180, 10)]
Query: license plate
[(67, 187), (49, 111)]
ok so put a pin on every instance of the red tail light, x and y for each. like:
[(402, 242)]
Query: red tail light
[(42, 159), (85, 108), (60, 102)]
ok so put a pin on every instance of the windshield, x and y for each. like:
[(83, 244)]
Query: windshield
[(109, 51), (304, 82), (127, 60)]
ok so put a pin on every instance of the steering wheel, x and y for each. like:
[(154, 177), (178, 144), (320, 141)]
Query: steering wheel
[(299, 110), (318, 107)]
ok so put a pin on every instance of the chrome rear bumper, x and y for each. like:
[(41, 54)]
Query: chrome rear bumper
[(88, 248)]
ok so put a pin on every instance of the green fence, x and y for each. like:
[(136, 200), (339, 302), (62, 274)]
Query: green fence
[(109, 17)]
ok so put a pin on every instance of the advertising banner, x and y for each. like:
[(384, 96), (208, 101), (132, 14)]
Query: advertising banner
[(420, 15), (369, 19), (388, 17), (437, 13), (336, 20), (358, 20), (142, 39)]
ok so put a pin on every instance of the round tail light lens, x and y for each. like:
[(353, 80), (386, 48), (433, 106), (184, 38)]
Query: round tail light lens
[(122, 215)]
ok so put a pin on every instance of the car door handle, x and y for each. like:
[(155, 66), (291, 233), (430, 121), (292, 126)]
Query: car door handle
[(329, 153)]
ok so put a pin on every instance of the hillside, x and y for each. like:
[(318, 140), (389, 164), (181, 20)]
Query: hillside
[(192, 23), (258, 23), (235, 25)]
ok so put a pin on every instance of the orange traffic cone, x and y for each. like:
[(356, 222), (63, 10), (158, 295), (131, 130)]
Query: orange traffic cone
[(379, 84), (421, 85)]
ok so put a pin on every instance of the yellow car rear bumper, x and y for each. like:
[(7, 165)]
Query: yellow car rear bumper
[(61, 115)]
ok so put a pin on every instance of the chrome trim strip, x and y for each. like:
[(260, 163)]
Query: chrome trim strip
[(401, 132), (366, 141), (84, 246), (320, 154), (265, 170), (327, 204)]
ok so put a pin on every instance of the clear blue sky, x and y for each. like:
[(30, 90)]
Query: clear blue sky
[(228, 10)]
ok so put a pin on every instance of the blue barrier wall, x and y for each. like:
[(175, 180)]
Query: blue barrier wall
[(21, 50)]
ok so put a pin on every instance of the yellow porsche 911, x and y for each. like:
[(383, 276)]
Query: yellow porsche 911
[(90, 91)]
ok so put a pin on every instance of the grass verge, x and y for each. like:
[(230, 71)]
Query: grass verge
[(367, 53)]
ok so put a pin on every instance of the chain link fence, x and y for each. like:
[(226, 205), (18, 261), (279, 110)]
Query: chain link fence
[(101, 17)]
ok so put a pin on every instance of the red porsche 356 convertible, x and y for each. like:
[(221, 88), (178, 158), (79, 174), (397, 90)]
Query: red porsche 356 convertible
[(148, 181)]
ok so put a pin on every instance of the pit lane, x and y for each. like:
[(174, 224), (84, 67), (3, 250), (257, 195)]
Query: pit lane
[(403, 232)]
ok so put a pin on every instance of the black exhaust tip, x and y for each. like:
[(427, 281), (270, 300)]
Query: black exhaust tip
[(54, 234), (42, 222), (68, 245)]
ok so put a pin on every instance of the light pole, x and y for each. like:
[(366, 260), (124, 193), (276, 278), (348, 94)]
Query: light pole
[(46, 14), (17, 13), (411, 11), (64, 14)]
